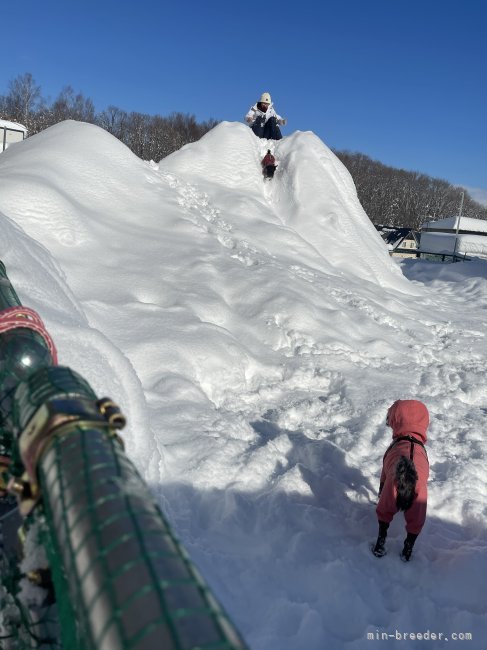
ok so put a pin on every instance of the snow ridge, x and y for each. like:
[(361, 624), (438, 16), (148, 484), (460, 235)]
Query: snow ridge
[(255, 333)]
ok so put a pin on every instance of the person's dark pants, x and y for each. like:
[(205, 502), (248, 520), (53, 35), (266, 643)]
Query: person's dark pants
[(268, 130)]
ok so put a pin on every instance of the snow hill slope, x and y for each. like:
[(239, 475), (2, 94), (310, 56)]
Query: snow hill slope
[(255, 334)]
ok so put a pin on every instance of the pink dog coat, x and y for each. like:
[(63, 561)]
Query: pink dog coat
[(406, 418)]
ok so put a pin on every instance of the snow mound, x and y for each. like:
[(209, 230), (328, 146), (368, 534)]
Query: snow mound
[(255, 334), (312, 197)]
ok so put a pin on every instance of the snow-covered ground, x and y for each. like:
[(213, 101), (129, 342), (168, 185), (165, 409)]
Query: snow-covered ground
[(255, 334)]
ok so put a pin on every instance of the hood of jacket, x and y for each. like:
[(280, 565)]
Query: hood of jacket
[(408, 416)]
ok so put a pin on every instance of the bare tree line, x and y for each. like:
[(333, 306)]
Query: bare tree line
[(151, 137), (403, 198), (389, 196)]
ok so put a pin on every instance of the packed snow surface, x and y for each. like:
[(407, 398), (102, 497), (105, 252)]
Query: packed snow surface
[(255, 334)]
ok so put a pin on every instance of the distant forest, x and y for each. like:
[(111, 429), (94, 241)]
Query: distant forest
[(151, 137), (388, 195), (401, 198)]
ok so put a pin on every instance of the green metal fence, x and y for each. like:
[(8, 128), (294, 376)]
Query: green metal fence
[(113, 575)]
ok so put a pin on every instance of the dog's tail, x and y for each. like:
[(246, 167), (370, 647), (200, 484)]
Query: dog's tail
[(406, 478)]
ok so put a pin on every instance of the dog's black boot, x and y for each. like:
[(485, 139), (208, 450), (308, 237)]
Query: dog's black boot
[(379, 550), (408, 547)]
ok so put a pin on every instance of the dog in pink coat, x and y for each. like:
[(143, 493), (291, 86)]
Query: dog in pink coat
[(405, 471)]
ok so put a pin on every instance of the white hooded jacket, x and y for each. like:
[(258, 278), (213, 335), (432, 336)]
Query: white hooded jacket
[(255, 112)]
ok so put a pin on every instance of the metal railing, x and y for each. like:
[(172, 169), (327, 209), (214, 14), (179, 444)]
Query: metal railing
[(114, 575)]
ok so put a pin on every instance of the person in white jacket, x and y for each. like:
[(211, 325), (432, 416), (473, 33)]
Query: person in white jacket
[(263, 119)]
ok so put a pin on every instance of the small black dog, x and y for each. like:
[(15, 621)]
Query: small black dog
[(405, 470)]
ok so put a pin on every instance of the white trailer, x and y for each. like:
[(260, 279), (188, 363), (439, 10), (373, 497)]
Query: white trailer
[(454, 237), (10, 133)]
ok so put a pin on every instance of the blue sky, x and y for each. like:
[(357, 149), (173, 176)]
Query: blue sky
[(403, 82)]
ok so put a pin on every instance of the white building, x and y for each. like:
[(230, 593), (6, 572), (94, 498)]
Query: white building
[(454, 236), (10, 133)]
